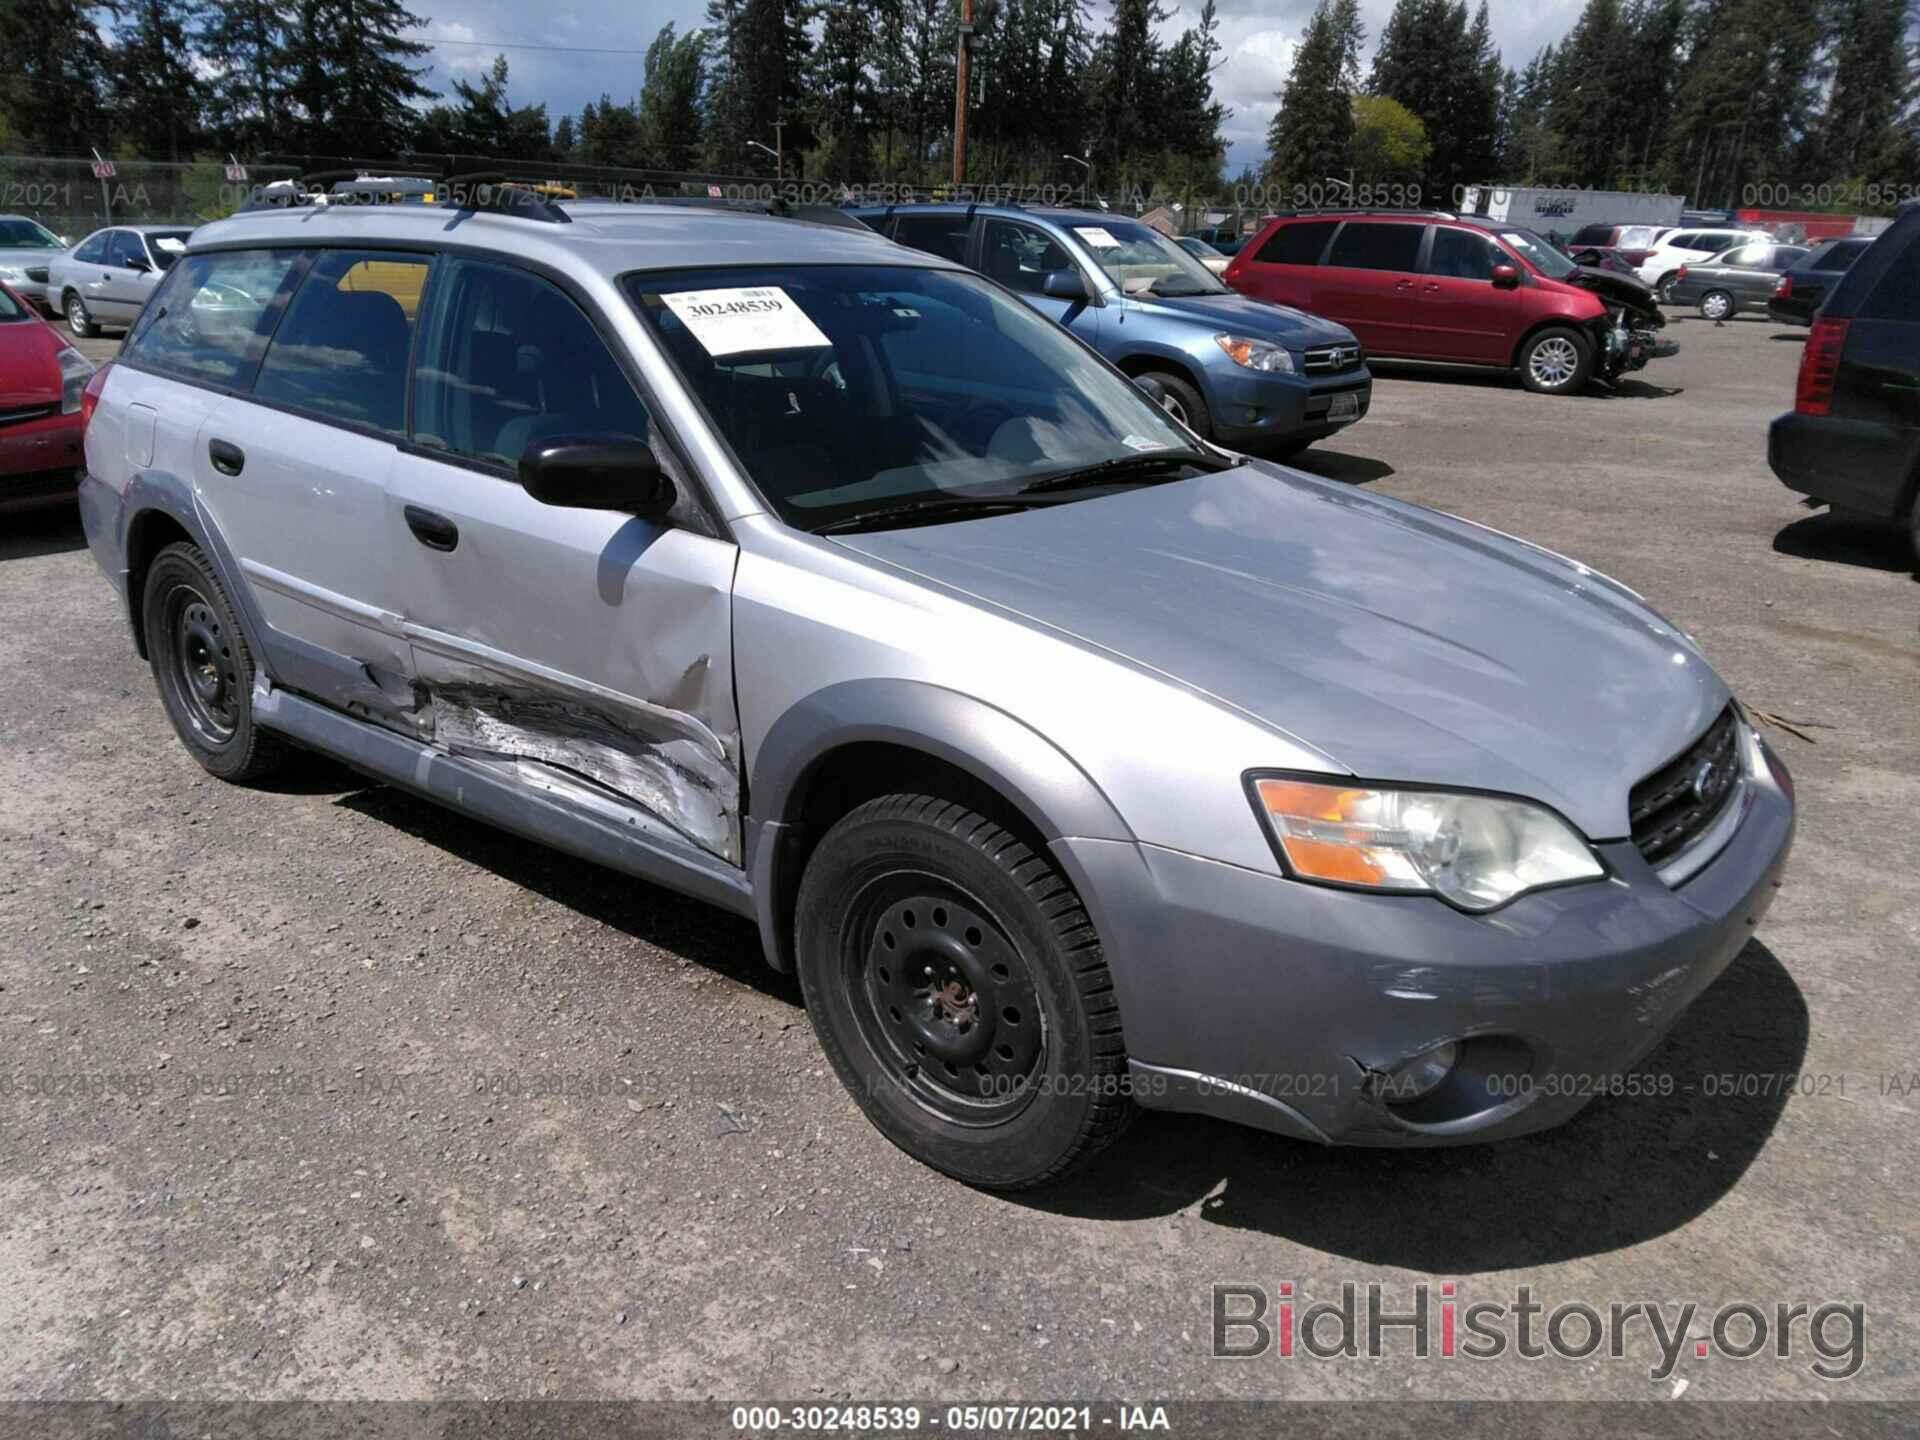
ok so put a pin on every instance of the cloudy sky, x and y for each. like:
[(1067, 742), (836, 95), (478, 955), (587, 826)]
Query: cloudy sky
[(571, 51)]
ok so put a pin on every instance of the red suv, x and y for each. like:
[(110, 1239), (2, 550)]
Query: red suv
[(1434, 286)]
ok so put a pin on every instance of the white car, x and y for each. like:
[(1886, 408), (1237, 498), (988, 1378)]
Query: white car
[(1683, 247)]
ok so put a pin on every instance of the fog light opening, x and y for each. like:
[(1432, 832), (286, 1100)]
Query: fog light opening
[(1419, 1077)]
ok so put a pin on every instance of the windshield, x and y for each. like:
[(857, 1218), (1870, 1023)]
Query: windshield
[(1194, 245), (849, 388), (167, 246), (9, 307), (1141, 260), (1543, 257), (20, 234)]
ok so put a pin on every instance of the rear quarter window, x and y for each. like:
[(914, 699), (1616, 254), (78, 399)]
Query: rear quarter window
[(1896, 295), (1297, 244), (210, 318)]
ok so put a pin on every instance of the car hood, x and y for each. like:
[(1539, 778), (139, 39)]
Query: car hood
[(1402, 643), (28, 256), (29, 364), (1628, 290), (1242, 316)]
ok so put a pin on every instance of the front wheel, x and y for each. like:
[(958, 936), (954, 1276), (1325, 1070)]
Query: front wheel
[(78, 320), (203, 667), (1557, 361), (960, 993), (1184, 403), (1717, 305)]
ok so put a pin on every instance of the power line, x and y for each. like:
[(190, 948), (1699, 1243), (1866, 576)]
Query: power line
[(514, 45)]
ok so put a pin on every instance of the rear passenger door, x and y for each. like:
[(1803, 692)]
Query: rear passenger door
[(1368, 282), (295, 472), (586, 652)]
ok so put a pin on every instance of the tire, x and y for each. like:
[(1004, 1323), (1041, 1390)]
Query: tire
[(1663, 288), (1557, 361), (1185, 404), (1718, 305), (1001, 1061), (203, 667), (78, 320)]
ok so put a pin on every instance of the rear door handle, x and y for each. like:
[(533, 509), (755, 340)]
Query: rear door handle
[(436, 532), (227, 458)]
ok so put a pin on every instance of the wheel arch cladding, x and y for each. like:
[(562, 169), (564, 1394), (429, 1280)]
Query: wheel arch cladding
[(888, 724)]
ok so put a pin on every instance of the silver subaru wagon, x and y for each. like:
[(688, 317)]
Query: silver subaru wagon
[(1074, 764)]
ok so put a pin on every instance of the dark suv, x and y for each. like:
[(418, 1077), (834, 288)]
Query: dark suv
[(1853, 435)]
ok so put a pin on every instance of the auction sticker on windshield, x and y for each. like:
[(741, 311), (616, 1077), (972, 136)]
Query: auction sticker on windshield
[(731, 322), (1097, 236)]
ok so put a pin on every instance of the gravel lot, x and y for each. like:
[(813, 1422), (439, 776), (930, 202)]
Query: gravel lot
[(268, 1170)]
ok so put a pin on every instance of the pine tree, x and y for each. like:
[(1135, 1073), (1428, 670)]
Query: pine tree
[(243, 45), (1312, 135), (671, 98), (1428, 61), (844, 96), (355, 83), (1869, 91), (157, 96), (484, 122), (50, 89)]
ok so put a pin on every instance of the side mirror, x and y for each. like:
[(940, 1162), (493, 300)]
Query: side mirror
[(1151, 388), (1505, 277), (1064, 285), (597, 472), (138, 265)]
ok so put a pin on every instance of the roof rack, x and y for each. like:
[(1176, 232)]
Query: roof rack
[(778, 208), (488, 190)]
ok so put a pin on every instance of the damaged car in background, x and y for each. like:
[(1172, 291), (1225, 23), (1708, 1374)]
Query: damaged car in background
[(1073, 763), (1452, 289)]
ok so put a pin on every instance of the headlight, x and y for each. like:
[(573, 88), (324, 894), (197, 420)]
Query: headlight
[(75, 371), (1256, 354), (1474, 851)]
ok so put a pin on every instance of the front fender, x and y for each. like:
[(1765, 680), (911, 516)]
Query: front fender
[(1051, 792)]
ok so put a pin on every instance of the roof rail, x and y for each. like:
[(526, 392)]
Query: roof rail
[(777, 208)]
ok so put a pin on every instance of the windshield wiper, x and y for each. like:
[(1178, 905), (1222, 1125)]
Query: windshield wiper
[(926, 512), (1127, 467)]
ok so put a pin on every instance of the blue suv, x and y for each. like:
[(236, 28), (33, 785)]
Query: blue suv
[(1241, 372)]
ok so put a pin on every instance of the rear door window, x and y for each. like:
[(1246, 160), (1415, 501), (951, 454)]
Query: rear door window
[(341, 352), (209, 322), (1297, 244), (1373, 245), (942, 235)]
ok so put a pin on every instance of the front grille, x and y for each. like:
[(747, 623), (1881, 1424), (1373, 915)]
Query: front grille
[(1673, 806), (1331, 359), (37, 274), (21, 414)]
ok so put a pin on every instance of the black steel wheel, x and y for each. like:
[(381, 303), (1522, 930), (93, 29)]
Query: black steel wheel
[(960, 992), (203, 667)]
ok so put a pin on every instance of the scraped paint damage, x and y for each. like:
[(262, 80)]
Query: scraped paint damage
[(677, 772)]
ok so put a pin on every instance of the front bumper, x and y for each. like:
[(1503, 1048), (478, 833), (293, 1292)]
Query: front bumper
[(1282, 1005), (1248, 407)]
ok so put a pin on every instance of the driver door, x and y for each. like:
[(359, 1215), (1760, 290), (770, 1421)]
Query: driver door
[(588, 653), (1021, 257)]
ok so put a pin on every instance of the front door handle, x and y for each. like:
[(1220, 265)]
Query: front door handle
[(436, 532), (227, 458)]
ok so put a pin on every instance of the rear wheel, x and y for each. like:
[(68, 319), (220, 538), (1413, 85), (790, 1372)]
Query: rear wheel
[(1557, 361), (960, 993), (1663, 288), (1718, 305), (203, 667), (1185, 404), (78, 320)]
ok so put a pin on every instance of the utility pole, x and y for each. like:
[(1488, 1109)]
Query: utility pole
[(960, 93)]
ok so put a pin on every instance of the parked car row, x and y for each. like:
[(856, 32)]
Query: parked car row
[(1071, 761), (99, 283)]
